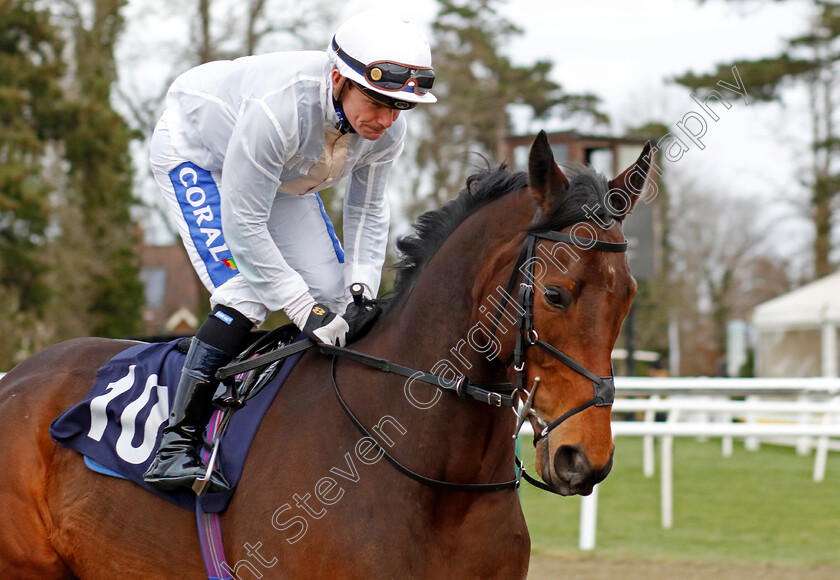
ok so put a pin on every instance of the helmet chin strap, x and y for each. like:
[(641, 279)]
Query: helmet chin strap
[(343, 125)]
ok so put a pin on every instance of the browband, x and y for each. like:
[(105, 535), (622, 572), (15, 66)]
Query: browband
[(582, 242)]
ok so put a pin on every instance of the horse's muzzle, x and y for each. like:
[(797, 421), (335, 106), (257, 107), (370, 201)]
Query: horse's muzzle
[(568, 471)]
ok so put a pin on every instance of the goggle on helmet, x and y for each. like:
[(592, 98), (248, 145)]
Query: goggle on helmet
[(387, 57)]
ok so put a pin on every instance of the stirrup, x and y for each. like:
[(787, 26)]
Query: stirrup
[(202, 484), (211, 482)]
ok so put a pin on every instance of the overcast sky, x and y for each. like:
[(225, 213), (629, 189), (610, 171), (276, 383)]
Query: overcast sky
[(625, 52)]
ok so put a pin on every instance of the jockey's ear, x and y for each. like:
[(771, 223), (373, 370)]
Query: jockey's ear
[(548, 183), (337, 83)]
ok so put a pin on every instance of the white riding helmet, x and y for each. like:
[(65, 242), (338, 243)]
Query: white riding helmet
[(387, 56)]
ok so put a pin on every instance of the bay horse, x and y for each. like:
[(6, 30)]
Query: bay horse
[(315, 501)]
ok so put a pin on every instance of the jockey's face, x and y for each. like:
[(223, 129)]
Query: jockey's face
[(369, 118)]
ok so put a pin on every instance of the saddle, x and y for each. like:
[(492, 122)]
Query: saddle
[(118, 425)]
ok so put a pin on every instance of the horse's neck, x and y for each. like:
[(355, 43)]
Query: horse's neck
[(434, 331), (448, 438), (436, 327)]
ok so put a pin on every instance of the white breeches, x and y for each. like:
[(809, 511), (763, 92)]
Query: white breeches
[(298, 225)]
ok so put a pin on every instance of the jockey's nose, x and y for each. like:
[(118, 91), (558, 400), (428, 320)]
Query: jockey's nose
[(387, 117)]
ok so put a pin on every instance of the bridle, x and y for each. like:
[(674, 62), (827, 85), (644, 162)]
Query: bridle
[(603, 387), (493, 394), (498, 394)]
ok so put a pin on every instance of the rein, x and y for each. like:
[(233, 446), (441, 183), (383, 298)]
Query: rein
[(493, 394), (435, 483)]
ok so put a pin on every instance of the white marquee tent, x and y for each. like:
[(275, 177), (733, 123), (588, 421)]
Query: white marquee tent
[(797, 332)]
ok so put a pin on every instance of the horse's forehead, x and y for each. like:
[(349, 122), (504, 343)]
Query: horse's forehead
[(608, 270)]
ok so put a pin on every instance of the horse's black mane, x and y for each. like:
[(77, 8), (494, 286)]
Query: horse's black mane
[(586, 187), (433, 227)]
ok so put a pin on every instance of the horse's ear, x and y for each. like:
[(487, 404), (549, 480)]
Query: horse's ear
[(629, 185), (548, 184)]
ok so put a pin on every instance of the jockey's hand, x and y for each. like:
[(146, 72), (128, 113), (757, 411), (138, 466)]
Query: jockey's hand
[(325, 326)]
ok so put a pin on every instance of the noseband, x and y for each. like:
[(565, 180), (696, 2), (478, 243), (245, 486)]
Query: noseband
[(603, 387)]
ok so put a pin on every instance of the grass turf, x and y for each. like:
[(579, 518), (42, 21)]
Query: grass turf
[(753, 507)]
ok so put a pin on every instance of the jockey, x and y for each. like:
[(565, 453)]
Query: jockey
[(240, 153)]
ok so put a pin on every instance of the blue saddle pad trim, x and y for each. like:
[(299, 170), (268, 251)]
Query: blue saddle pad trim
[(99, 468), (118, 425)]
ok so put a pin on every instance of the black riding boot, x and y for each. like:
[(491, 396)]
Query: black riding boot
[(177, 461)]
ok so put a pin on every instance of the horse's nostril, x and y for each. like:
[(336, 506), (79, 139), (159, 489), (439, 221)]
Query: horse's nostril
[(571, 464), (573, 470)]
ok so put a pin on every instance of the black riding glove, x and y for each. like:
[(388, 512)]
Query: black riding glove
[(325, 326)]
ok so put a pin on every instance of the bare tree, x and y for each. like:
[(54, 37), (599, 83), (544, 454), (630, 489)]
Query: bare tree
[(221, 29), (810, 59), (723, 264)]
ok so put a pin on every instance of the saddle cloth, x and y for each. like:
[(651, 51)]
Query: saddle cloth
[(119, 424)]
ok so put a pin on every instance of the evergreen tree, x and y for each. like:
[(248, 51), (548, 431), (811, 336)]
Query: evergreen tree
[(809, 60), (31, 99), (68, 247), (30, 68), (100, 178), (475, 83)]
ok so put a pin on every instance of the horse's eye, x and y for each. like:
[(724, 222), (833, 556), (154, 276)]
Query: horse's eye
[(558, 297)]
